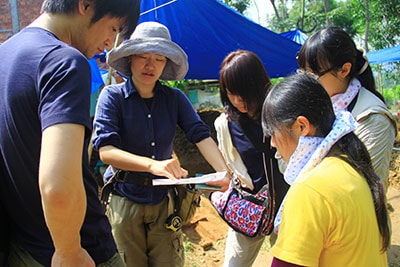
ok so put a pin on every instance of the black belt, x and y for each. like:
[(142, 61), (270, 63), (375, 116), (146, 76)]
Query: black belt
[(130, 178), (136, 178)]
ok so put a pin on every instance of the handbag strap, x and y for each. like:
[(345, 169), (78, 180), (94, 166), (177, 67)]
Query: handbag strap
[(270, 181)]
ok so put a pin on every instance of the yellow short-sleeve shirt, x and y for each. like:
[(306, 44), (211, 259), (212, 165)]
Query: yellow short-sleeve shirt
[(329, 220)]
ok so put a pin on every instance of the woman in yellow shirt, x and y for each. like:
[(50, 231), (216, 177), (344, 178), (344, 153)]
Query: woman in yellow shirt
[(334, 213)]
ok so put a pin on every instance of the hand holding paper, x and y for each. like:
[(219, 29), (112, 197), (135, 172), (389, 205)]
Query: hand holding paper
[(212, 177)]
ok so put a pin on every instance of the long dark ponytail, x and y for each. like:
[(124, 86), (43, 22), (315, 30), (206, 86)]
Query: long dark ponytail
[(358, 157)]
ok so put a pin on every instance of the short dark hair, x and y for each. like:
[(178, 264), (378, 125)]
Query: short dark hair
[(243, 73), (129, 10)]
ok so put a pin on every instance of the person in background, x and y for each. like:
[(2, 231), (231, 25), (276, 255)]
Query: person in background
[(47, 191), (335, 197), (108, 75), (244, 83), (331, 55), (134, 129)]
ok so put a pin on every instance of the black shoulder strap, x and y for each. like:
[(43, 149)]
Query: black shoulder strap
[(352, 103)]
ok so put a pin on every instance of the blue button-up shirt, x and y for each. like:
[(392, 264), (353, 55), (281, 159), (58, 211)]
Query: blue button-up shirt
[(251, 156), (124, 120)]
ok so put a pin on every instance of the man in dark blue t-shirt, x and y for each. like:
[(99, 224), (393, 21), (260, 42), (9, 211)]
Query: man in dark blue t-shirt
[(49, 197)]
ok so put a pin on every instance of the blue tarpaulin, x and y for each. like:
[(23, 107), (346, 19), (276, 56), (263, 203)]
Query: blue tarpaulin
[(391, 54), (208, 30), (296, 35), (97, 80)]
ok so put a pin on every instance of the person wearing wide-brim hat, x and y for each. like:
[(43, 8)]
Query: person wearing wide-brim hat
[(134, 129), (150, 37)]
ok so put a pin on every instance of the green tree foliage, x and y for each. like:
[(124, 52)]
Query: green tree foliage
[(375, 21), (384, 21), (373, 24), (239, 5), (383, 32), (311, 15), (341, 16)]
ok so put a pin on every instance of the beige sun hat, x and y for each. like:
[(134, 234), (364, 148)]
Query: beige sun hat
[(150, 37)]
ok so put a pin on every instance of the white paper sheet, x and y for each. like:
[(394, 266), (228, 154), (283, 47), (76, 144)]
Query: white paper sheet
[(217, 176)]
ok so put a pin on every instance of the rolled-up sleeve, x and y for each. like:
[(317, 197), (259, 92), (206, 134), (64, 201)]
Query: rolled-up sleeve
[(107, 119), (189, 120)]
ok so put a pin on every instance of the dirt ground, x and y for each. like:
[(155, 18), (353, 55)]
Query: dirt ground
[(205, 235)]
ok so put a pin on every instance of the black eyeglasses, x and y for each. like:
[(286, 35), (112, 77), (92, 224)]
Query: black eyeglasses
[(322, 73), (316, 76)]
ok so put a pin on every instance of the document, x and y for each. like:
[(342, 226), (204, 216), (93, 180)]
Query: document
[(217, 176)]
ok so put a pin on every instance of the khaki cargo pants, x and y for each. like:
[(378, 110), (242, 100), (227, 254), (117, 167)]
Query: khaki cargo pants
[(140, 234)]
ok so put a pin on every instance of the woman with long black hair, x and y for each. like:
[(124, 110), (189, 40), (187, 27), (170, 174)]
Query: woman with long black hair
[(334, 213), (343, 70)]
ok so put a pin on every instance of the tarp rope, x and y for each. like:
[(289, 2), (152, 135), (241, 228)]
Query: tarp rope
[(157, 7)]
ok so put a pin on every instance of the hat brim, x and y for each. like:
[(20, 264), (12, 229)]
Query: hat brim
[(175, 69)]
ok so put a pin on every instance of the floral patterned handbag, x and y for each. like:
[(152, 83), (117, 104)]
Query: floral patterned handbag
[(245, 212)]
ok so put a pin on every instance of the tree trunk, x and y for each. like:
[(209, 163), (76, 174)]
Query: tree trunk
[(278, 17), (276, 11), (327, 10), (367, 24)]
